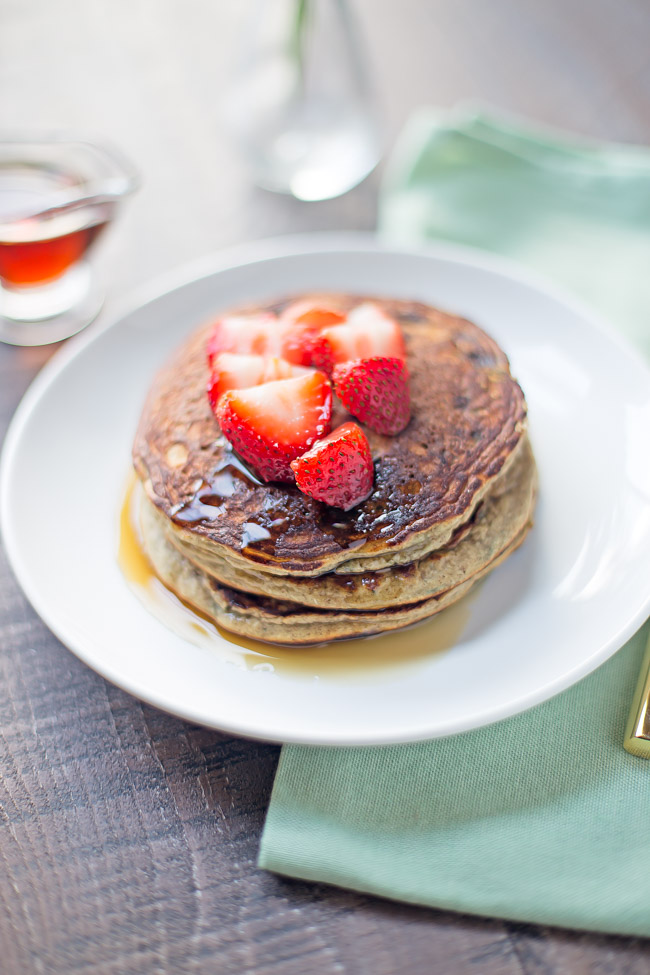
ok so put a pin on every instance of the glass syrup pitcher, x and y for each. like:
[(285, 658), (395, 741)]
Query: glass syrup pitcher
[(57, 196)]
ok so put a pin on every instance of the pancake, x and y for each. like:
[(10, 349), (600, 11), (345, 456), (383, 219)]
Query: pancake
[(467, 428), (497, 522), (285, 622)]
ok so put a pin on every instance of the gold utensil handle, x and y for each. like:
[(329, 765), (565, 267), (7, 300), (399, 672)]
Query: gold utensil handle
[(637, 729)]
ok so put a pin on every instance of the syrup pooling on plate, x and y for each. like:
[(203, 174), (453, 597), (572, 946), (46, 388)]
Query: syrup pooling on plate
[(371, 658)]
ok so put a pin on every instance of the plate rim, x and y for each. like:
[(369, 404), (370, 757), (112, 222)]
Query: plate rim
[(251, 253)]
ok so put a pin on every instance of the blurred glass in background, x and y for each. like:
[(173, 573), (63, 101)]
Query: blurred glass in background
[(299, 103)]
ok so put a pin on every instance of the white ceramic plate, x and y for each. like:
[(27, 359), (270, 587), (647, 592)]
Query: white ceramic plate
[(572, 594)]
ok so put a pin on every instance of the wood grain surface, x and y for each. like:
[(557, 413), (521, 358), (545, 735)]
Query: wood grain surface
[(128, 838)]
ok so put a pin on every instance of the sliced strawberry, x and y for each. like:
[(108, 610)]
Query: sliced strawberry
[(272, 424), (305, 312), (338, 469), (376, 391), (367, 332), (307, 321), (233, 371), (246, 334)]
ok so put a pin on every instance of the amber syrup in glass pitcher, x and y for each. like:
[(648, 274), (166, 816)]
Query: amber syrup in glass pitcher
[(56, 198)]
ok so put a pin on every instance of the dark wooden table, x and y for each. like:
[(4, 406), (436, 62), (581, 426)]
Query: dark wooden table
[(128, 839)]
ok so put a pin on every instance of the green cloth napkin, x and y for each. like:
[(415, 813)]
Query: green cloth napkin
[(543, 817)]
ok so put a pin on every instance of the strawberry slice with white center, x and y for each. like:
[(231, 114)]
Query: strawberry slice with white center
[(306, 321), (233, 371), (376, 391), (247, 335), (271, 425), (367, 332), (338, 469)]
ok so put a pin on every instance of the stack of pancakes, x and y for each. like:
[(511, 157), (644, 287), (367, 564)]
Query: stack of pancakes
[(454, 495)]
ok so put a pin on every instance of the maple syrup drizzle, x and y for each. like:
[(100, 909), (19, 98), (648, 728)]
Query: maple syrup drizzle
[(279, 519), (207, 502), (355, 659)]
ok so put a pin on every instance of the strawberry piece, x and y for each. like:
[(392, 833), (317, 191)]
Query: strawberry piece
[(246, 334), (367, 332), (233, 371), (272, 424), (307, 321), (338, 469), (376, 391), (307, 313)]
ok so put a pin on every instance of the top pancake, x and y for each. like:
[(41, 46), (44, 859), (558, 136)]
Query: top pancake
[(468, 416)]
